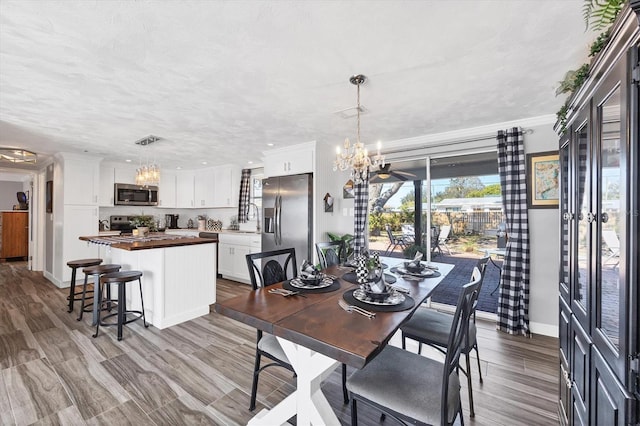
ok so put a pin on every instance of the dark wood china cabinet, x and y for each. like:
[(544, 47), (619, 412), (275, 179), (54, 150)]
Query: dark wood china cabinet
[(599, 226)]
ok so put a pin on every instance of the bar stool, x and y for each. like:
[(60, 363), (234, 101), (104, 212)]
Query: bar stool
[(121, 278), (74, 265), (96, 271)]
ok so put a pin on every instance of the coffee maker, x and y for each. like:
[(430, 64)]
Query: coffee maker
[(171, 221)]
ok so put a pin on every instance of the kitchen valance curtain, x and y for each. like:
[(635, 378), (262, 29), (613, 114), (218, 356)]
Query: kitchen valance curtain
[(245, 194), (513, 299)]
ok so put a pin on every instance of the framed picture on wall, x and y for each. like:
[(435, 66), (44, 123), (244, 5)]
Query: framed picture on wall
[(348, 190), (543, 177)]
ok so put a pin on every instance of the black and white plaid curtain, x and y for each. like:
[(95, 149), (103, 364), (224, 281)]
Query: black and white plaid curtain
[(360, 206), (245, 194), (513, 301)]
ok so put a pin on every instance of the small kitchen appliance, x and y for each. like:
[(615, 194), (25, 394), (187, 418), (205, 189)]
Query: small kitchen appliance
[(171, 221), (120, 223)]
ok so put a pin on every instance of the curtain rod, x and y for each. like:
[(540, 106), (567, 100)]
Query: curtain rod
[(454, 142)]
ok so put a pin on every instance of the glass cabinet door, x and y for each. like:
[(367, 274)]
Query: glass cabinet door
[(610, 225), (580, 297), (566, 221)]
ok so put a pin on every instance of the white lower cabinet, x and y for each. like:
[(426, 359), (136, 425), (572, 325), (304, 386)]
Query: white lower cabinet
[(232, 251)]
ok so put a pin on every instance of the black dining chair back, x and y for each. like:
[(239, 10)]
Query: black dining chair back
[(414, 389), (330, 253), (278, 266), (430, 327)]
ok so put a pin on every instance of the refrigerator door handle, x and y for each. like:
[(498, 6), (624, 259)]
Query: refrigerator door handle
[(279, 219), (275, 221)]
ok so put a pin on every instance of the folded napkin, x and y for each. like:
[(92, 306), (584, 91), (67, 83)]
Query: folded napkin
[(415, 265), (307, 270)]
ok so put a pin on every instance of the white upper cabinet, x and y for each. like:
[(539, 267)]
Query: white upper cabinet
[(290, 161), (107, 179), (205, 186), (81, 177), (125, 175), (227, 186), (185, 189), (167, 189)]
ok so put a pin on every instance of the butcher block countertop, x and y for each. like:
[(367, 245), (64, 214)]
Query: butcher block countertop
[(152, 241)]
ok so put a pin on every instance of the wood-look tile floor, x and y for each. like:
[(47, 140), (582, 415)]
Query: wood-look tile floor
[(52, 372)]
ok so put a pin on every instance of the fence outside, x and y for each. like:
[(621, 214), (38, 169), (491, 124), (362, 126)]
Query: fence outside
[(469, 223)]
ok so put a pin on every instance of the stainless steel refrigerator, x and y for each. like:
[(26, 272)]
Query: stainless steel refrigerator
[(287, 212)]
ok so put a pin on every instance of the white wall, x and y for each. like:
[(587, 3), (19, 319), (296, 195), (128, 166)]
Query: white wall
[(340, 221), (544, 236), (8, 191)]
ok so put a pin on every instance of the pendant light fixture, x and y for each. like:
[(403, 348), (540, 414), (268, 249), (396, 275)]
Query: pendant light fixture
[(356, 156), (148, 173)]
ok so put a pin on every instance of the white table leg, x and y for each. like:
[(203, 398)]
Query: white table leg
[(307, 401)]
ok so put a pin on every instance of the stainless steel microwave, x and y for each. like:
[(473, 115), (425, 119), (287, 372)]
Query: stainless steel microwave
[(133, 195)]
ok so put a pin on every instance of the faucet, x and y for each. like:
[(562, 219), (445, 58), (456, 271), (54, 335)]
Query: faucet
[(257, 215)]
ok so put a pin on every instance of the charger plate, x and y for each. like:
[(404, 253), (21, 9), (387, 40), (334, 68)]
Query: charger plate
[(333, 286), (407, 303)]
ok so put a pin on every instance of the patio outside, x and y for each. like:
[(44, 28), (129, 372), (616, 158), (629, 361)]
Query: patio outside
[(464, 251)]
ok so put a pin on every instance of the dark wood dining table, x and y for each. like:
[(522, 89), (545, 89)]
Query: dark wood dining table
[(317, 335)]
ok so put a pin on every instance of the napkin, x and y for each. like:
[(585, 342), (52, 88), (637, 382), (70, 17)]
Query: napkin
[(415, 263), (307, 270)]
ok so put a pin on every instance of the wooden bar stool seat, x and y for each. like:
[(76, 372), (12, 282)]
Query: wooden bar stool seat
[(96, 271), (124, 316), (74, 265)]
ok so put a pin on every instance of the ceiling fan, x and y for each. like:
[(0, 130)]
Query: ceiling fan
[(384, 172)]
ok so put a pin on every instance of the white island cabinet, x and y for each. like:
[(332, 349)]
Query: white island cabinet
[(178, 282)]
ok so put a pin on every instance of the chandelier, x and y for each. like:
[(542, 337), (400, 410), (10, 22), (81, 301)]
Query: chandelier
[(356, 156), (149, 173)]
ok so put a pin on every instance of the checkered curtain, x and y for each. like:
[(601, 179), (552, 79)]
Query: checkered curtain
[(360, 204), (245, 194), (513, 301)]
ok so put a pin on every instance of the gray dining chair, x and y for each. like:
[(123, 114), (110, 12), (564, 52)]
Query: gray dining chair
[(277, 266), (330, 253), (410, 387), (431, 327)]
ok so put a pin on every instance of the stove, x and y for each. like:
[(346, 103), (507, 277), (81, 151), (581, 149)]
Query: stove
[(120, 223)]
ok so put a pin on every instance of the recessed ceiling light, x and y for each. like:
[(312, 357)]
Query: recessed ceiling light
[(204, 162), (178, 168), (250, 162), (127, 161), (269, 144)]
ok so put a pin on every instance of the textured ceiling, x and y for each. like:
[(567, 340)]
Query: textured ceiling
[(219, 80)]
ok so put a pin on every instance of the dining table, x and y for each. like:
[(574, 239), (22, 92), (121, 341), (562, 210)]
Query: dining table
[(317, 334)]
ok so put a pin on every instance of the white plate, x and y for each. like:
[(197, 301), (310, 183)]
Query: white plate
[(395, 298)]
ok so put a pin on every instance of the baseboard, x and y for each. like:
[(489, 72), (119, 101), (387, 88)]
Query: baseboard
[(544, 329), (55, 282), (535, 327)]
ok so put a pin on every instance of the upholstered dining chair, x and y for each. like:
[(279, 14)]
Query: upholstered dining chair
[(415, 389), (430, 327), (277, 266), (330, 253)]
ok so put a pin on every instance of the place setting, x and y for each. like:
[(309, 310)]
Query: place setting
[(353, 263), (374, 292), (311, 279), (416, 269)]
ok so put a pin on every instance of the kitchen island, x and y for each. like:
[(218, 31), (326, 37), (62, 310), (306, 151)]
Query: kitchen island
[(179, 273)]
